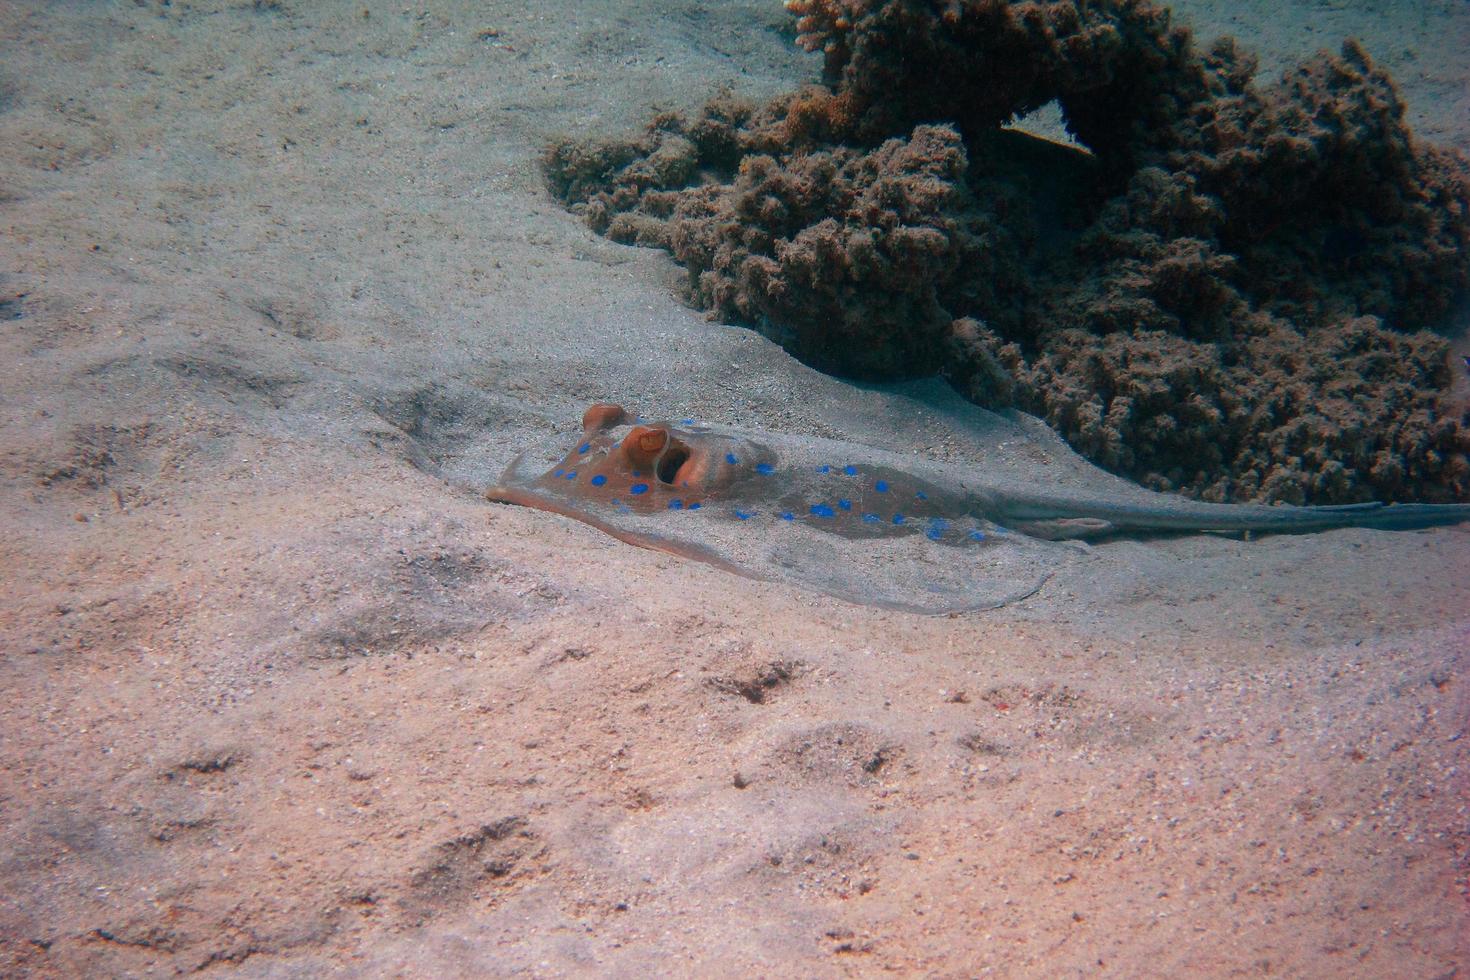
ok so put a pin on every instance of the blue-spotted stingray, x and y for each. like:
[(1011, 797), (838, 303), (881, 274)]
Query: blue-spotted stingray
[(862, 529)]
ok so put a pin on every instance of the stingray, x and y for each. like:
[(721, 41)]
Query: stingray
[(848, 522)]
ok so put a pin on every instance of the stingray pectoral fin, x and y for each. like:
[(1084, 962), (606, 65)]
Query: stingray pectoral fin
[(503, 494), (521, 469), (1064, 528)]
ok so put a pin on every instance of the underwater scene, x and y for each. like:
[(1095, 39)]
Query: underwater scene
[(741, 488)]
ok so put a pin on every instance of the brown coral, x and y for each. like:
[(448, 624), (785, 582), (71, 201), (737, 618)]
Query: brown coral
[(848, 257), (824, 25)]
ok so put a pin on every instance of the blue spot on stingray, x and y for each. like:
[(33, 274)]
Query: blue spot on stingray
[(977, 535), (824, 468), (571, 474), (822, 510), (686, 421), (788, 516), (695, 506), (934, 533), (898, 518), (881, 486), (584, 447), (764, 469), (676, 505), (850, 470), (870, 518), (731, 458), (560, 473), (744, 515), (636, 474), (845, 504), (922, 495), (638, 488), (599, 480)]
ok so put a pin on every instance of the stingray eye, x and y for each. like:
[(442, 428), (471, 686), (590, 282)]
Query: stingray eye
[(643, 444), (602, 416)]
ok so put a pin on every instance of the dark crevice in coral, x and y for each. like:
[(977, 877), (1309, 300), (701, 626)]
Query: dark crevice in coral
[(1226, 294)]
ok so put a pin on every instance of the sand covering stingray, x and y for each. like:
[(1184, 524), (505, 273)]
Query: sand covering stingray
[(859, 523)]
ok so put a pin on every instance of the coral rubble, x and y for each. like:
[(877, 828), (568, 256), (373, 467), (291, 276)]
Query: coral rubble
[(1226, 293)]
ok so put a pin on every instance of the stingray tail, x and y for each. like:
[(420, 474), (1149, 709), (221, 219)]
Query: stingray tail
[(1096, 516)]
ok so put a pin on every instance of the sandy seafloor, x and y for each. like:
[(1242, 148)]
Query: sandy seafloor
[(280, 286)]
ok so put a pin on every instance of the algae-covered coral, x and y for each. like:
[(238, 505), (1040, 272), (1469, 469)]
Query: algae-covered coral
[(1225, 293)]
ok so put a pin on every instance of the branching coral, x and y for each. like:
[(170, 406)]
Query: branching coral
[(824, 25), (1217, 298)]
